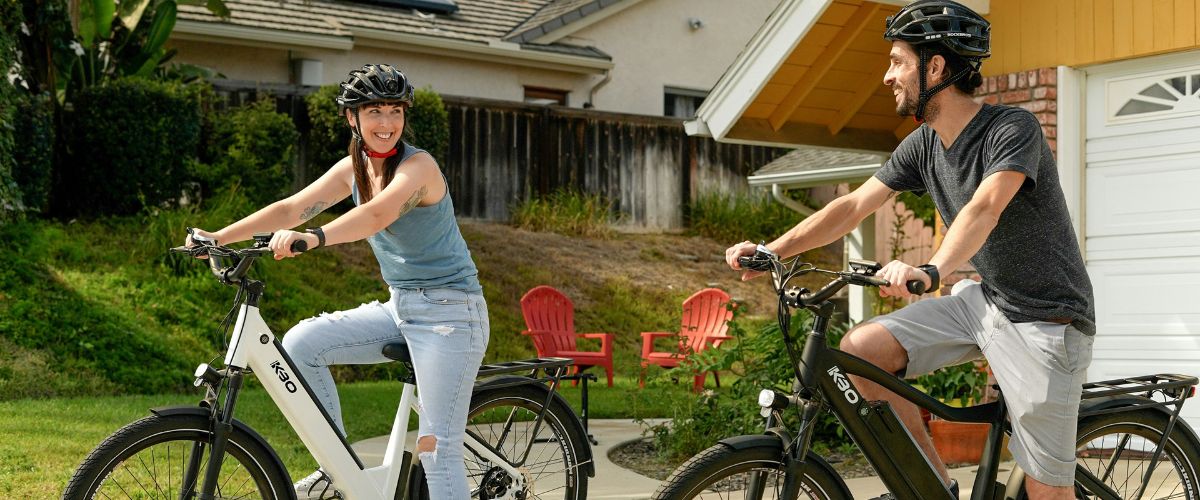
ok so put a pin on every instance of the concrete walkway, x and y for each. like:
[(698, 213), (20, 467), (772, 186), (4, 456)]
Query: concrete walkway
[(613, 482)]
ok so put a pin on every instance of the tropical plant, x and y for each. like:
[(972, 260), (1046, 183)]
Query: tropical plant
[(126, 39), (962, 384)]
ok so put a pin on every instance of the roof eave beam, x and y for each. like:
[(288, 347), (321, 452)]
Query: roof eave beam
[(864, 92), (793, 134), (825, 61), (763, 55)]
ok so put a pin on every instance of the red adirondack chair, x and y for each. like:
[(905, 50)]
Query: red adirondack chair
[(550, 319), (705, 322)]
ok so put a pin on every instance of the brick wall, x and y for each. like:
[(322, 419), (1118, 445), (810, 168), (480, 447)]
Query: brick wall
[(1035, 90)]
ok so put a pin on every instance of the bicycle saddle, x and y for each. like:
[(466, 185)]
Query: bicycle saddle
[(397, 351)]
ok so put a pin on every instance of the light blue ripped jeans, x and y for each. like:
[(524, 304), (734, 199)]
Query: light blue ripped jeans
[(447, 332)]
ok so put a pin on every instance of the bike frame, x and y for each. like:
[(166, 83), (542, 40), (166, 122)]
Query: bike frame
[(874, 427), (253, 346), (821, 381)]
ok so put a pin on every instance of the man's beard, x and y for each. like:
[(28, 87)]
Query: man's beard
[(908, 106)]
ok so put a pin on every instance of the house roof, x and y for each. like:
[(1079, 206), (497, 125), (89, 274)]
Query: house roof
[(809, 166), (559, 15), (340, 24)]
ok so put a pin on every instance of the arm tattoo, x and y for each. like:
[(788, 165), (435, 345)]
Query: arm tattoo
[(413, 201), (312, 211)]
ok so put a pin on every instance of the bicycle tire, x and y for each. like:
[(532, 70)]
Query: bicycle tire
[(553, 465), (718, 471), (146, 459), (1120, 463)]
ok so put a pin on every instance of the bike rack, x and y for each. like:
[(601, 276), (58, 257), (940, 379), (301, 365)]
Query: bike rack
[(1175, 388), (554, 370)]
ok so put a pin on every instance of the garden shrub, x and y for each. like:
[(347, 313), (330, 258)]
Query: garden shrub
[(10, 195), (565, 211), (736, 217), (428, 124), (250, 146), (33, 158), (127, 144), (328, 134), (759, 358)]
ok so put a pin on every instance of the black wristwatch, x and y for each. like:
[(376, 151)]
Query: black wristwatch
[(935, 281), (320, 236)]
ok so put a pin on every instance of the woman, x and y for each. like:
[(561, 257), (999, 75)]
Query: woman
[(404, 210)]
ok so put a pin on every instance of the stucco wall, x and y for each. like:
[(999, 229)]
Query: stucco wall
[(651, 44), (447, 75), (653, 47)]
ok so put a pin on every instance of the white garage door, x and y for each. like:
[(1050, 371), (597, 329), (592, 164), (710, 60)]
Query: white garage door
[(1142, 216)]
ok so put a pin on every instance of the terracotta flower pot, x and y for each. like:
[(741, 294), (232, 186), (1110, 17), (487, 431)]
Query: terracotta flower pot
[(958, 442)]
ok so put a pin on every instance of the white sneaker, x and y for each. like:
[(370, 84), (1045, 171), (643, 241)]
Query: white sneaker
[(317, 486)]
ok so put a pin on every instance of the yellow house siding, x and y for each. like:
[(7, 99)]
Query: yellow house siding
[(1030, 34)]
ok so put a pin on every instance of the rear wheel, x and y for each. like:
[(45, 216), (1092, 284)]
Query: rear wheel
[(721, 472), (1115, 450), (151, 459), (504, 420)]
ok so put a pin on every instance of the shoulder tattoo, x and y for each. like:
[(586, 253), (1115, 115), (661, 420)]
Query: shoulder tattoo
[(413, 201)]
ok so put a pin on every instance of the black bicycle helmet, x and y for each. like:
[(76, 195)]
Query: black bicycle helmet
[(375, 83), (949, 24)]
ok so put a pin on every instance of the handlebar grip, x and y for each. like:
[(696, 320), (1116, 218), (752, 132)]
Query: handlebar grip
[(754, 263), (299, 246), (916, 286)]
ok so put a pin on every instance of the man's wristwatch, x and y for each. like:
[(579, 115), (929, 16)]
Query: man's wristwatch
[(320, 236), (935, 281)]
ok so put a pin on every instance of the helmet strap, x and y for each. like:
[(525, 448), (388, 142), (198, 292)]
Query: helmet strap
[(927, 94)]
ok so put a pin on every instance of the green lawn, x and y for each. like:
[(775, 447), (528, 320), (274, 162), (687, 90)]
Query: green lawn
[(43, 440)]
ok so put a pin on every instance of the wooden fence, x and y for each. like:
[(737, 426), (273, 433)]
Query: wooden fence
[(502, 153)]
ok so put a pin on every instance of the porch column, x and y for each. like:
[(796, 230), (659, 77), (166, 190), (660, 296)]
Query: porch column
[(860, 244)]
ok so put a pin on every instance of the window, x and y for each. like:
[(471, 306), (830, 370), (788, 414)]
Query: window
[(433, 6), (542, 95), (682, 103)]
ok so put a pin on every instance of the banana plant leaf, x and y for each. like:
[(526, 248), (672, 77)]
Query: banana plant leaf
[(105, 9), (131, 12)]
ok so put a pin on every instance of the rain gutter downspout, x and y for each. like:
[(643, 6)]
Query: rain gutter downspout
[(601, 83), (785, 200)]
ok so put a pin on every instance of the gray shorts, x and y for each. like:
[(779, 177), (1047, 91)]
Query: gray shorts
[(1040, 367)]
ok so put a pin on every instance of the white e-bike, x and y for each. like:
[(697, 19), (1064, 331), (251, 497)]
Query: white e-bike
[(523, 440)]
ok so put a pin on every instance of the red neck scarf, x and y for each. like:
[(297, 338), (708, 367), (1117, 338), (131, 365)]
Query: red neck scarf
[(387, 154)]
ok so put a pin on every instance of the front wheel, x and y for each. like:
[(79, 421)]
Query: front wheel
[(722, 472), (159, 457), (1115, 450)]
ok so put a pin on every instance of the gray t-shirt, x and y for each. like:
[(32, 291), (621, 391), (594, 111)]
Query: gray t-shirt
[(1031, 265)]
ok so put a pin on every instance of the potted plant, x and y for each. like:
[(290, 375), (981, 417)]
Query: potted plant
[(962, 385)]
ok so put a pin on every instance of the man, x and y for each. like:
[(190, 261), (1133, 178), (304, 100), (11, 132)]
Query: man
[(992, 176)]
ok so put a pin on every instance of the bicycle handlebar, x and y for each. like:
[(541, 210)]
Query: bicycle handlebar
[(230, 265), (863, 274)]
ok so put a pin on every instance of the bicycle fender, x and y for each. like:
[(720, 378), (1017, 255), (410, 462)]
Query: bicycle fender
[(170, 411), (777, 442), (507, 380), (1135, 402), (1017, 477)]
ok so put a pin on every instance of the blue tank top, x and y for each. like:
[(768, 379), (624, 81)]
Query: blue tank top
[(424, 248)]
